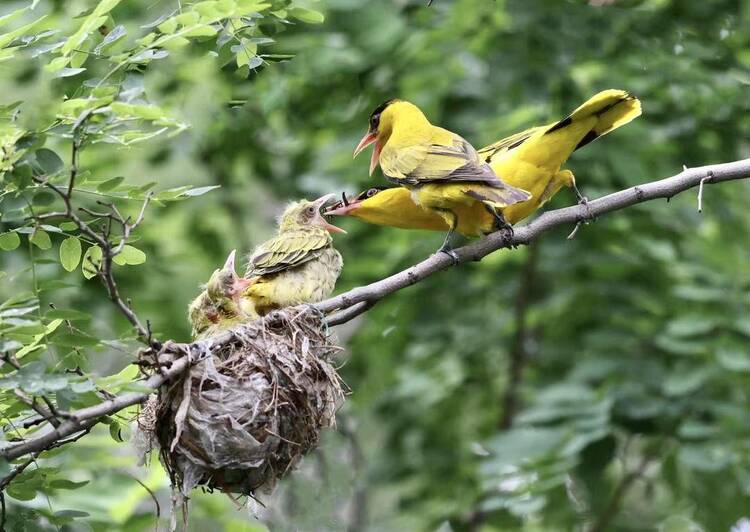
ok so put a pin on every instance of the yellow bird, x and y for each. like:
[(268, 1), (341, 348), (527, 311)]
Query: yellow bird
[(217, 307), (443, 171), (298, 265), (529, 160)]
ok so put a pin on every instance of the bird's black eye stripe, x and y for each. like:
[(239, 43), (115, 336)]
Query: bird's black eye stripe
[(375, 116)]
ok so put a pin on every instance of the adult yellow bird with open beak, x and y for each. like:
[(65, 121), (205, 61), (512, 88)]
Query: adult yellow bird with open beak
[(217, 308), (444, 173), (299, 265), (530, 160)]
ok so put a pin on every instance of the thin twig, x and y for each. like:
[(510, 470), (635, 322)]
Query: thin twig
[(700, 190), (7, 479), (109, 251), (349, 314), (613, 508), (153, 497), (46, 414)]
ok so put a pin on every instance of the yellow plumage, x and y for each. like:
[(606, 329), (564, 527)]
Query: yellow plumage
[(217, 307), (298, 265), (444, 172), (529, 160)]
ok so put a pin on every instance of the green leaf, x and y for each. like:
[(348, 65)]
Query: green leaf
[(199, 191), (48, 160), (91, 23), (41, 239), (9, 37), (70, 253), (68, 226), (67, 314), (149, 112), (9, 241), (200, 31), (168, 26), (129, 255), (91, 261), (306, 15), (68, 72), (43, 198), (115, 431), (682, 382), (21, 492), (733, 359), (110, 184), (72, 513), (117, 33), (65, 484)]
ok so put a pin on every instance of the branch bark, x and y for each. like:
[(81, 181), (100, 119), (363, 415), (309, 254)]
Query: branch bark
[(177, 357), (663, 188)]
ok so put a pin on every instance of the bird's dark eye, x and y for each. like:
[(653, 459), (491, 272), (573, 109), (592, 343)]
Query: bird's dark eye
[(372, 192), (310, 211), (374, 122)]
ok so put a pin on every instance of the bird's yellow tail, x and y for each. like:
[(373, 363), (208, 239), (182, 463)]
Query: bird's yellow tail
[(613, 108)]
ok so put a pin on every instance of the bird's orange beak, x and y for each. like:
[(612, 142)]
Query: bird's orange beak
[(368, 139), (319, 220), (240, 283)]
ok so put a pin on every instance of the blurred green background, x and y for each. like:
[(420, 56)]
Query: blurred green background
[(623, 353)]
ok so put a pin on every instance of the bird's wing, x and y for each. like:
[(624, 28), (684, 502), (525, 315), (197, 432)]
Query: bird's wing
[(452, 159), (288, 250), (508, 143)]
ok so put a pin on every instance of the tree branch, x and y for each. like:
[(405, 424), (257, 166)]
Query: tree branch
[(109, 251), (173, 358), (664, 188)]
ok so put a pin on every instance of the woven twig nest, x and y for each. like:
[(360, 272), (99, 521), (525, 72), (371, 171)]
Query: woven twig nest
[(244, 416)]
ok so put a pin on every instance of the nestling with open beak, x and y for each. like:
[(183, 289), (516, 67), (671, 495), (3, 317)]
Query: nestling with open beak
[(299, 265), (218, 307), (530, 160), (443, 171)]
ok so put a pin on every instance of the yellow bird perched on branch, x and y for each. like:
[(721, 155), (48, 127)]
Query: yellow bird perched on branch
[(298, 265), (529, 160), (217, 308), (443, 171)]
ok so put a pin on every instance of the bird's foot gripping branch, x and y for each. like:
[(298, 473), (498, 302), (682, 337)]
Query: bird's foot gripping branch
[(53, 428)]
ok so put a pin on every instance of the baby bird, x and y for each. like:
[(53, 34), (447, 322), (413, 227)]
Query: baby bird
[(443, 171), (217, 308), (298, 265)]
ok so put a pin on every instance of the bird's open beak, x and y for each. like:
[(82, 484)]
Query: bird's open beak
[(368, 139), (320, 220), (240, 283), (229, 263)]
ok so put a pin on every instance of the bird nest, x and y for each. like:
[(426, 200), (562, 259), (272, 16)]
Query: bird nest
[(243, 417)]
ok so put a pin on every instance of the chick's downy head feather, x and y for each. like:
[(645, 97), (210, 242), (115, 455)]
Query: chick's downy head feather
[(305, 214)]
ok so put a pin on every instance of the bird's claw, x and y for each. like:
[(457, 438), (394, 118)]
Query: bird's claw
[(508, 234), (452, 254)]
